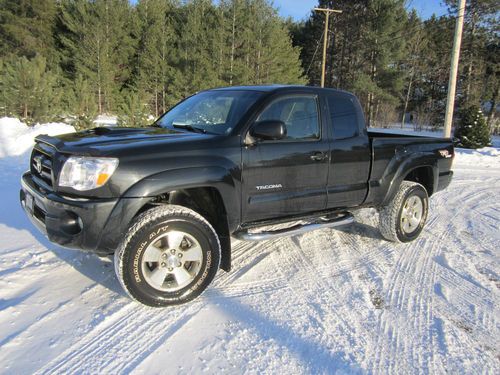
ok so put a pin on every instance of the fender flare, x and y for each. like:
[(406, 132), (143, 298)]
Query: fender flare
[(193, 177), (414, 161)]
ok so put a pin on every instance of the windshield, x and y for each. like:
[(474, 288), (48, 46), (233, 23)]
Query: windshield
[(216, 112)]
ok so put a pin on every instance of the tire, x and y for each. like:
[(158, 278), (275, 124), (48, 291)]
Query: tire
[(169, 256), (404, 217)]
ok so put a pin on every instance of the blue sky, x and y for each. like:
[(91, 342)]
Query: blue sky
[(299, 9)]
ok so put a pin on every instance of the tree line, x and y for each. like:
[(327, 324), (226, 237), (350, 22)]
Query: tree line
[(398, 64), (81, 58)]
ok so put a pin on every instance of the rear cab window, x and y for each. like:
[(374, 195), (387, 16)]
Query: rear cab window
[(343, 116)]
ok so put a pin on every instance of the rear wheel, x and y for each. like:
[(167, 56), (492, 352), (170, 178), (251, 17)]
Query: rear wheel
[(404, 217), (169, 256)]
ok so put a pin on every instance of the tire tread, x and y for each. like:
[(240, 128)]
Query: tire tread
[(388, 215), (151, 215)]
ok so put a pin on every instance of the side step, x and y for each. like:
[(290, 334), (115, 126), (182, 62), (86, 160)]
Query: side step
[(322, 222)]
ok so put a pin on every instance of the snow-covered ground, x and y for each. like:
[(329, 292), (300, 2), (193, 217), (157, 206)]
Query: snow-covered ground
[(327, 301)]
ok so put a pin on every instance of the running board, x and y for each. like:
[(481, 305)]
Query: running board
[(323, 222)]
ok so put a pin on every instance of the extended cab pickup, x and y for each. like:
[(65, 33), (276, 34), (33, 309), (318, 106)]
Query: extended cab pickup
[(228, 162)]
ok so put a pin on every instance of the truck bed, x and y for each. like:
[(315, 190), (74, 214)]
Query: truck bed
[(392, 152), (400, 133)]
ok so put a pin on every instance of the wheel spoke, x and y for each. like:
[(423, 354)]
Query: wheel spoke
[(166, 258), (414, 221), (152, 254), (158, 277), (181, 275), (174, 239), (163, 243), (193, 254), (406, 226)]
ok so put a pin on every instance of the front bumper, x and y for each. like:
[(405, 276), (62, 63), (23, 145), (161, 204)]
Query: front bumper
[(73, 223)]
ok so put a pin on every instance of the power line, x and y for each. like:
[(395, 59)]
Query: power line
[(325, 41), (314, 55), (407, 31), (422, 23)]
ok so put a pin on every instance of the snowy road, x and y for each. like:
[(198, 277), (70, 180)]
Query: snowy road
[(331, 300)]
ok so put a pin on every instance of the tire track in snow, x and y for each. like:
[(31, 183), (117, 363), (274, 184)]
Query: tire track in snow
[(316, 292), (139, 330), (108, 347), (122, 340), (351, 260), (411, 286)]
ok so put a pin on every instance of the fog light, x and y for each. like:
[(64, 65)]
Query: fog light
[(71, 223)]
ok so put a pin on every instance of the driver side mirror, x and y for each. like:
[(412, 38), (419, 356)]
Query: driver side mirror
[(270, 130)]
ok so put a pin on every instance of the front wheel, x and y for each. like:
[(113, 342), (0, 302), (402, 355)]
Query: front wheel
[(169, 256), (404, 217)]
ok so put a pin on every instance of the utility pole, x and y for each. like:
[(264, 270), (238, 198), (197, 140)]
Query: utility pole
[(325, 39), (452, 83)]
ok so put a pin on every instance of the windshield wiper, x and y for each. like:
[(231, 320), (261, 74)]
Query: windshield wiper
[(190, 128)]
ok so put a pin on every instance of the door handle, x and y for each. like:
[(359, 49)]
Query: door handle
[(318, 156)]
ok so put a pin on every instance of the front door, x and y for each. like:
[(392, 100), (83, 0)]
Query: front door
[(289, 176)]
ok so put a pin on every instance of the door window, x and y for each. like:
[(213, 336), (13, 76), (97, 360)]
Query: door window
[(299, 113), (344, 117)]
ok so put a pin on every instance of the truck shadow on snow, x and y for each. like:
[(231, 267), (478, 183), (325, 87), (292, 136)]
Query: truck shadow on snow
[(362, 230), (315, 356)]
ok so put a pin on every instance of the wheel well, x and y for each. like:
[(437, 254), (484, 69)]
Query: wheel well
[(206, 201), (424, 176)]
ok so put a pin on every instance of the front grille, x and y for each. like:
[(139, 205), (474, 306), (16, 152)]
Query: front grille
[(41, 164)]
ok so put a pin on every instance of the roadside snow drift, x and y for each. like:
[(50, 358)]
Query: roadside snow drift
[(16, 138), (324, 302)]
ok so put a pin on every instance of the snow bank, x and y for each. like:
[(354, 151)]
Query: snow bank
[(16, 137), (486, 157), (106, 120)]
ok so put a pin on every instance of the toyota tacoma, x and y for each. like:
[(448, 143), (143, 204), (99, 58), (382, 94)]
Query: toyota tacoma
[(226, 163)]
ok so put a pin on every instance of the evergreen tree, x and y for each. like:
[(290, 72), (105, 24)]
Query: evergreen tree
[(134, 111), (198, 46), (433, 70), (258, 46), (82, 103), (279, 60), (30, 90), (26, 29), (156, 54), (480, 16), (492, 79), (364, 53), (99, 45), (472, 131)]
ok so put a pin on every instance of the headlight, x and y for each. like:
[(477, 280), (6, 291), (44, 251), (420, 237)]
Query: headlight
[(86, 173)]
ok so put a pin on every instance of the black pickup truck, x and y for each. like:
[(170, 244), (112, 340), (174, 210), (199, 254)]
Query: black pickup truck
[(228, 162)]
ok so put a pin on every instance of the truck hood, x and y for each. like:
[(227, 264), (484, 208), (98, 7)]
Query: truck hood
[(99, 141)]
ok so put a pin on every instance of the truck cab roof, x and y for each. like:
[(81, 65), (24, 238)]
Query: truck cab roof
[(275, 88)]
